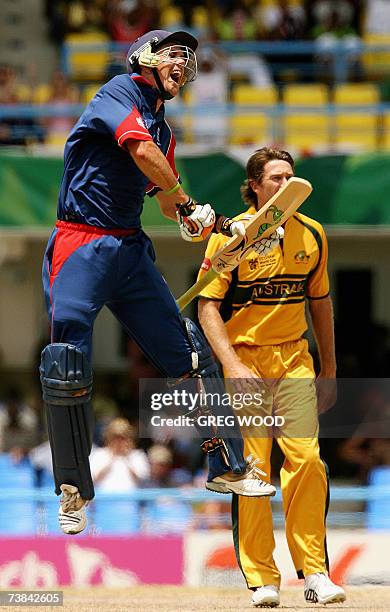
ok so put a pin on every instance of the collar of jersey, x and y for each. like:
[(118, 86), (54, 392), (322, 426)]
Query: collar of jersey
[(150, 93)]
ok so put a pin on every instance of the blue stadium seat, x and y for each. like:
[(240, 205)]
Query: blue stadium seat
[(166, 515), (378, 510), (15, 475), (110, 516)]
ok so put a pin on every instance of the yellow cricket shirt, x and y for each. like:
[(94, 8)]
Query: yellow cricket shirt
[(263, 299)]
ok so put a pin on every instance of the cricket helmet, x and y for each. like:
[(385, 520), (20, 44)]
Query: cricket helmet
[(145, 51)]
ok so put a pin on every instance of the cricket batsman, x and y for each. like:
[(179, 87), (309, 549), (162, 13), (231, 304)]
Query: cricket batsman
[(120, 149), (254, 319)]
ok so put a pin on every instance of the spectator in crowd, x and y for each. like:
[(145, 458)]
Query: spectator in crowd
[(18, 424), (210, 89), (377, 17), (161, 472), (42, 465), (9, 95), (365, 454), (119, 466), (282, 21), (129, 19), (60, 93), (166, 514), (334, 23), (236, 23), (84, 15)]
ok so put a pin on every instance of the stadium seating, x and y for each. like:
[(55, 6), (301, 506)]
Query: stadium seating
[(356, 94), (376, 63), (89, 92), (251, 127), (248, 129), (378, 516), (356, 131), (120, 517), (385, 137), (249, 95), (15, 475), (315, 94), (307, 130), (89, 64)]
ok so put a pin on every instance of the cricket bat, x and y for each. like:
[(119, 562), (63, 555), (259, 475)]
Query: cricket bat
[(274, 213)]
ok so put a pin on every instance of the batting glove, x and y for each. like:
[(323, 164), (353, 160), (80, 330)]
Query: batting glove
[(229, 227), (266, 245), (196, 220)]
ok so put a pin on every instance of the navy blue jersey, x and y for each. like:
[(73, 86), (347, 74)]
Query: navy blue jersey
[(101, 184)]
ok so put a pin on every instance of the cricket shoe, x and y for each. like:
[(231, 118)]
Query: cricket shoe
[(248, 484), (71, 515), (266, 596), (320, 589)]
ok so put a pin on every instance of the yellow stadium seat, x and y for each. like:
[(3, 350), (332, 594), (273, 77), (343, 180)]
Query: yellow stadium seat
[(171, 16), (315, 94), (356, 131), (200, 18), (356, 93), (56, 139), (249, 129), (307, 131), (376, 62), (89, 92), (88, 64), (251, 95), (42, 93), (385, 139), (24, 93)]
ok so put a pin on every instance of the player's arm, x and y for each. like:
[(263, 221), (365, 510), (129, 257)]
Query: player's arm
[(321, 313), (196, 220), (215, 331), (153, 164)]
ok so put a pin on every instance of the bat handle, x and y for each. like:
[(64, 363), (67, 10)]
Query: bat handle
[(193, 291), (222, 225)]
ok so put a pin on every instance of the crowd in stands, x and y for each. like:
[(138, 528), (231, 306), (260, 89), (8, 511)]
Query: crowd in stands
[(326, 22), (124, 20)]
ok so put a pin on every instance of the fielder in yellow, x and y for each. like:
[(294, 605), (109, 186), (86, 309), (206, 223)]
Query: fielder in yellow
[(254, 319)]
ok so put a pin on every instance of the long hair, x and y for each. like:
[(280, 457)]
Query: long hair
[(255, 170)]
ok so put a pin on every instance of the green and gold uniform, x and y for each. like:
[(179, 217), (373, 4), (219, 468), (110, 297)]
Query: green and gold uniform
[(263, 305)]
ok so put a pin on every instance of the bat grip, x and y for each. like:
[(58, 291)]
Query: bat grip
[(222, 225)]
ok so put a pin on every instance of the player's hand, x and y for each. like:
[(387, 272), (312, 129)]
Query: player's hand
[(326, 388), (229, 227), (266, 245), (196, 220), (242, 378)]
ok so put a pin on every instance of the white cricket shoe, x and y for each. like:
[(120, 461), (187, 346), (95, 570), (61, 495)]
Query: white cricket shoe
[(266, 596), (248, 484), (320, 589), (71, 515)]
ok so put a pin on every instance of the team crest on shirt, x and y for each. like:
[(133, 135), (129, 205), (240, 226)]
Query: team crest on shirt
[(140, 122), (253, 263), (301, 257)]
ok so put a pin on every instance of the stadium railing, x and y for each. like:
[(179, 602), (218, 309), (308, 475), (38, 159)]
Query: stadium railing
[(34, 511), (331, 127)]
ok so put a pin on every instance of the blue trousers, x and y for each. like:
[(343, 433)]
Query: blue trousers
[(86, 268)]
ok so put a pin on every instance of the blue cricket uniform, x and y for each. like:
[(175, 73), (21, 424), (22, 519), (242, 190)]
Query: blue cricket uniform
[(98, 254)]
